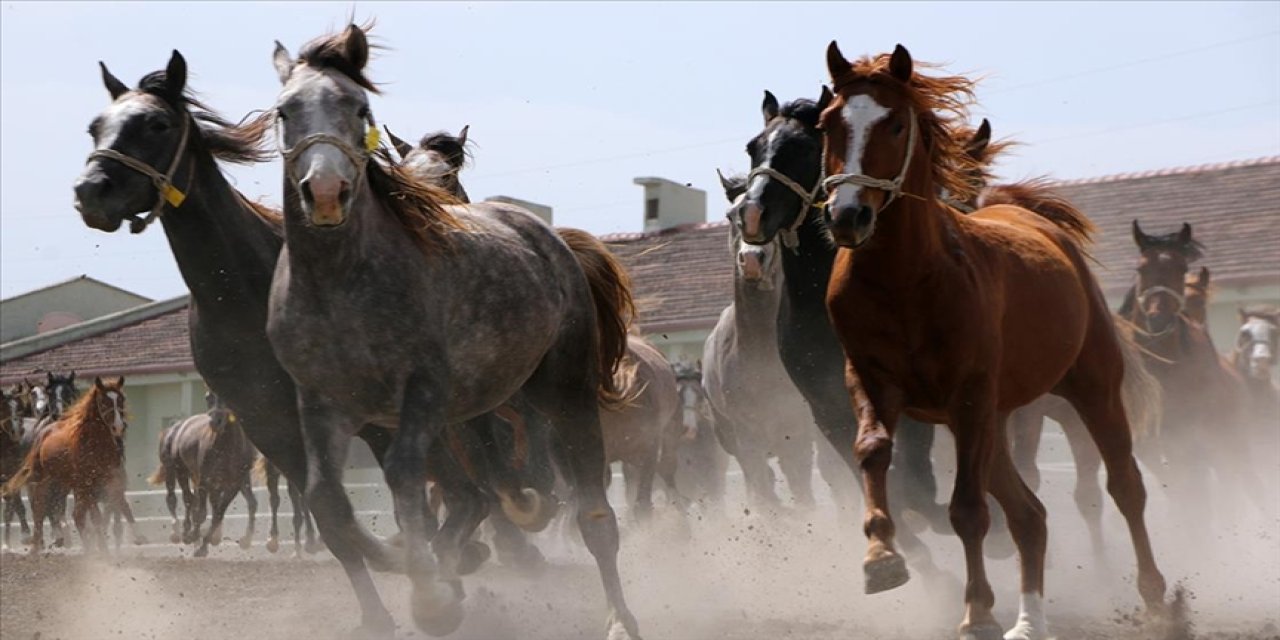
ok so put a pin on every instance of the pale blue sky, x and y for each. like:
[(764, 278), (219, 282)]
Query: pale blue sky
[(568, 102)]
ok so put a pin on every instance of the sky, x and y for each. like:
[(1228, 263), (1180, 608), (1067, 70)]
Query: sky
[(568, 102)]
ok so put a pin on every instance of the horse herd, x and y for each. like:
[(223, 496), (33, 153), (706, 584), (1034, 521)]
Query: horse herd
[(882, 286)]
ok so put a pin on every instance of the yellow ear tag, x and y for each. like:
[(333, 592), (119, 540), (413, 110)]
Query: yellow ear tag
[(372, 139), (231, 418), (173, 196)]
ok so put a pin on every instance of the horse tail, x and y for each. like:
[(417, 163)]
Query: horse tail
[(20, 479), (1038, 196), (261, 468), (159, 476), (1140, 390), (615, 308)]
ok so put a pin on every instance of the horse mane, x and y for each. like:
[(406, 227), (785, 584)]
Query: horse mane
[(80, 415), (447, 145), (419, 207), (238, 143), (941, 105), (802, 109), (1039, 196)]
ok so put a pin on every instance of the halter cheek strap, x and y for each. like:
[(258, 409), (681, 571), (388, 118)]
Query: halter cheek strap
[(894, 186), (1178, 296), (166, 193)]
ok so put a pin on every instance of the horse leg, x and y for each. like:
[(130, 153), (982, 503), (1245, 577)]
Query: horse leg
[(273, 499), (79, 516), (467, 507), (22, 516), (56, 512), (1026, 517), (436, 597), (756, 473), (668, 461), (1088, 492), (171, 501), (37, 492), (795, 458), (251, 503), (201, 503), (209, 501), (975, 430), (122, 508), (1025, 426), (300, 516), (511, 543), (644, 474), (189, 533)]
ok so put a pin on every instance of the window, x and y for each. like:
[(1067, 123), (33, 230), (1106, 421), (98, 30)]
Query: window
[(651, 209)]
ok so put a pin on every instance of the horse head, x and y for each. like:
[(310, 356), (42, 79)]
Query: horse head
[(437, 159), (1256, 342), (1159, 297)]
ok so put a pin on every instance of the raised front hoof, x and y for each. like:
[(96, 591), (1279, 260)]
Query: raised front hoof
[(884, 573), (436, 610), (202, 552), (273, 545), (472, 555), (981, 631), (622, 627), (1024, 630), (530, 510)]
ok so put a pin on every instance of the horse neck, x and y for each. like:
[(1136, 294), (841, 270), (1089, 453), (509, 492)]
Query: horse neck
[(326, 254), (910, 234), (225, 252), (755, 314), (807, 268)]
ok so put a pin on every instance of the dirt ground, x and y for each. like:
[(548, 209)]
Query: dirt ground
[(740, 575)]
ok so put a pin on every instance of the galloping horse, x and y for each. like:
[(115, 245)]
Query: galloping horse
[(941, 315), (438, 159), (645, 435), (372, 261), (702, 461), (80, 452), (762, 412), (208, 450), (15, 407), (1253, 357), (226, 248), (1205, 400)]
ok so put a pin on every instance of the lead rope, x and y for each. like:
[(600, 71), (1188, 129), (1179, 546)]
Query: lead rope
[(166, 193)]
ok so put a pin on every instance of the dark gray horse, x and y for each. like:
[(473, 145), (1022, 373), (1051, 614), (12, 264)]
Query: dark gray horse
[(210, 451), (389, 308)]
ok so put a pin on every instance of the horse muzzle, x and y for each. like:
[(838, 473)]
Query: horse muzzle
[(851, 226)]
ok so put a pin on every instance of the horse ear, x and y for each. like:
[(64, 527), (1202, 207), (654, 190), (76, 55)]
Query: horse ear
[(900, 64), (1139, 238), (50, 375), (825, 98), (731, 189), (97, 383), (175, 75), (462, 135), (1203, 280), (113, 84), (403, 148), (357, 46), (837, 64), (977, 147), (120, 382), (1184, 234), (282, 61), (769, 107), (72, 376)]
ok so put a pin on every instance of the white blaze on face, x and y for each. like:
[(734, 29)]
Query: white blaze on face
[(41, 403), (756, 189), (861, 113), (112, 121), (118, 422)]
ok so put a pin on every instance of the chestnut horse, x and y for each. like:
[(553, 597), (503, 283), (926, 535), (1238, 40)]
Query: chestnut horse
[(80, 452), (943, 316)]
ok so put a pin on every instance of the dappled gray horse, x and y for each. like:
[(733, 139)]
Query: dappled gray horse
[(392, 307), (749, 389)]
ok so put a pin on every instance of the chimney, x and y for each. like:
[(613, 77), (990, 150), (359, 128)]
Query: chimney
[(668, 204), (540, 210)]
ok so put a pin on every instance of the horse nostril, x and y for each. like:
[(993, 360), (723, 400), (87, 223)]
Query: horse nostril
[(304, 190), (863, 217)]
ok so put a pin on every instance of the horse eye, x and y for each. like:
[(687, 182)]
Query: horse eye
[(280, 115), (897, 128), (363, 113), (159, 126)]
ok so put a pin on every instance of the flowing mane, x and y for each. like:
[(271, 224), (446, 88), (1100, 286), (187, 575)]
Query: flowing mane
[(1040, 196), (448, 145), (242, 143), (81, 414), (941, 105), (419, 207)]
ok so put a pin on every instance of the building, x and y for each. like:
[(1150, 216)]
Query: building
[(682, 269), (63, 304)]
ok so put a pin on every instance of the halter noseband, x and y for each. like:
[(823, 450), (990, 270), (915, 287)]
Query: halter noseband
[(166, 193), (1178, 296), (359, 158), (808, 200), (893, 187)]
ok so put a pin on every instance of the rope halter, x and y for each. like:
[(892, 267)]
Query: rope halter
[(1177, 295), (893, 187), (166, 193), (358, 157), (808, 200)]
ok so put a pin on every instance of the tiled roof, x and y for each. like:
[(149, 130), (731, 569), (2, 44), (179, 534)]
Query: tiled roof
[(683, 276), (156, 344)]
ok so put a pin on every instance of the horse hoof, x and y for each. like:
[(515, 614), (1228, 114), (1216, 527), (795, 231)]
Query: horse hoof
[(202, 552), (1024, 630), (246, 542), (175, 538), (436, 610), (138, 541), (982, 631), (273, 545), (622, 628), (190, 538), (473, 555), (884, 573)]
